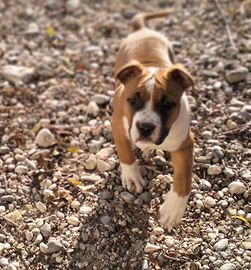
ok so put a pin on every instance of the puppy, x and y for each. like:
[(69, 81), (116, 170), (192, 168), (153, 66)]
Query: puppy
[(151, 112)]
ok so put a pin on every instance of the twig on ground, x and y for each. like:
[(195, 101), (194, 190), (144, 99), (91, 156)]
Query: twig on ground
[(225, 21)]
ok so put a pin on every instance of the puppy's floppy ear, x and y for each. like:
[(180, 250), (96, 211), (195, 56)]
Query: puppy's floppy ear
[(130, 70), (181, 76)]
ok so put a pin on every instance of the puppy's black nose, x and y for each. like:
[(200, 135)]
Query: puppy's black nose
[(145, 129)]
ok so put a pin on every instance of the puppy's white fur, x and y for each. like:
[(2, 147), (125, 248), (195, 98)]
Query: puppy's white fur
[(171, 211), (131, 177)]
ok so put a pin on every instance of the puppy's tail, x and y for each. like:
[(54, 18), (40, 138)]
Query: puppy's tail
[(138, 20)]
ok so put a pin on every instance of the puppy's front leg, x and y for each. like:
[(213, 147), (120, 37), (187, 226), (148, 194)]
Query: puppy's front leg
[(131, 177), (175, 203)]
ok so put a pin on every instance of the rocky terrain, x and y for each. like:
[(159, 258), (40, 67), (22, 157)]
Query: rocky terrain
[(62, 205)]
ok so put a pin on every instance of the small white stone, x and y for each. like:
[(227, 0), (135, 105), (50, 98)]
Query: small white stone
[(44, 138), (158, 231), (41, 207), (246, 245), (236, 187), (206, 135), (214, 170), (73, 221), (210, 201), (85, 209), (93, 108), (43, 247), (151, 248), (91, 162), (28, 235), (21, 169), (104, 153), (75, 205)]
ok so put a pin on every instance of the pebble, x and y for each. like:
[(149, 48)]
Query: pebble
[(228, 266), (203, 159), (106, 195), (73, 221), (91, 162), (104, 153), (221, 245), (93, 109), (85, 237), (128, 197), (106, 220), (43, 247), (236, 187), (245, 173), (210, 201), (11, 267), (85, 209), (44, 138), (207, 135), (214, 170), (217, 152), (159, 161), (246, 112), (21, 169), (151, 248), (205, 185), (4, 150), (2, 192), (75, 204), (158, 231), (7, 198), (4, 262), (103, 166), (28, 235), (41, 207), (237, 75), (100, 99), (54, 246), (17, 74), (45, 230), (246, 245)]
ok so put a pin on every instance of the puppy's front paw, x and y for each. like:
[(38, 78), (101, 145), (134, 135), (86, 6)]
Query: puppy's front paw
[(172, 210), (131, 177)]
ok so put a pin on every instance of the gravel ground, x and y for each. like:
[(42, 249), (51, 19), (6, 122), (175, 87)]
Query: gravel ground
[(62, 205)]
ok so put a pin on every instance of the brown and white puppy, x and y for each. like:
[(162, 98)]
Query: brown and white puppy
[(151, 111)]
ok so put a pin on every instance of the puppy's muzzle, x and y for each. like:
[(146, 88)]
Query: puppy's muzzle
[(145, 129)]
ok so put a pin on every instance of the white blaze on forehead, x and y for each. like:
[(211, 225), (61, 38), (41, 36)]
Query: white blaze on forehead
[(149, 84)]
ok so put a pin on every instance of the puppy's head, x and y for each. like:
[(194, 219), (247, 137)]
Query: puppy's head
[(152, 100)]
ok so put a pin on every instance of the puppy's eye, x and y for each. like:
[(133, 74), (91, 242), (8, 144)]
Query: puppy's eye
[(132, 101), (167, 105)]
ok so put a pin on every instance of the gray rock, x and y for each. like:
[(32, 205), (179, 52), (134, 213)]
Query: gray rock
[(84, 237), (246, 112), (203, 159), (159, 161), (205, 185), (34, 249), (218, 263), (128, 197), (129, 14), (45, 230), (106, 220), (94, 146), (228, 266), (236, 187), (217, 152), (7, 198), (54, 246), (106, 195), (238, 75), (221, 245), (4, 150)]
